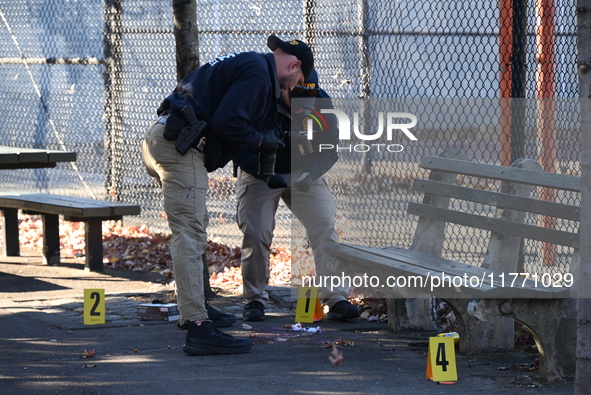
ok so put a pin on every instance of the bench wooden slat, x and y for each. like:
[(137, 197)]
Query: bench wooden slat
[(374, 264), (61, 156), (25, 156), (68, 205), (52, 205), (9, 158), (548, 235), (493, 281), (526, 288), (402, 262), (504, 173), (498, 199)]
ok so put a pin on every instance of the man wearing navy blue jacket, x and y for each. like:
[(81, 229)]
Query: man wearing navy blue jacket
[(214, 112), (299, 183)]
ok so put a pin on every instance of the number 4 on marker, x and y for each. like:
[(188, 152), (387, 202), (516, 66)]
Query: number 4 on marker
[(441, 359)]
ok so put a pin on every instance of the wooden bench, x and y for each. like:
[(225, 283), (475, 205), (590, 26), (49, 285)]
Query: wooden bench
[(470, 198), (90, 211)]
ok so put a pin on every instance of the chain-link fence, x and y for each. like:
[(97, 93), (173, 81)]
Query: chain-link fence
[(87, 76)]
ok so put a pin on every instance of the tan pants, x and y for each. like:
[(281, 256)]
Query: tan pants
[(257, 206), (184, 186)]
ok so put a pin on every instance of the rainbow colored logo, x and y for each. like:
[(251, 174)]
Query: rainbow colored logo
[(317, 117)]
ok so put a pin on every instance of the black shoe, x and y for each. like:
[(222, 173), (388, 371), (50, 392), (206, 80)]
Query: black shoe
[(218, 318), (343, 311), (205, 339), (254, 311)]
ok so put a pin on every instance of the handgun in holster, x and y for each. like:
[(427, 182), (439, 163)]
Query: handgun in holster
[(191, 135)]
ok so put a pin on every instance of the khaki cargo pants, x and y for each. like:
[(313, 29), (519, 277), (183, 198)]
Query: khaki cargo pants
[(184, 186), (257, 206)]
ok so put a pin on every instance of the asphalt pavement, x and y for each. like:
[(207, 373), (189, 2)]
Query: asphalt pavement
[(45, 348)]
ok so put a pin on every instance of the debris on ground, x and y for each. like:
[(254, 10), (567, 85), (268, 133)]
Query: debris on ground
[(336, 357)]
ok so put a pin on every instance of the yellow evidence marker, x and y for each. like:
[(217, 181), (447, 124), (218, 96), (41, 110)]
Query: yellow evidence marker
[(308, 308), (94, 306), (441, 359)]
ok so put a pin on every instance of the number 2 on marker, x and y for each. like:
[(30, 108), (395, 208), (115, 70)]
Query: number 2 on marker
[(94, 306), (97, 300)]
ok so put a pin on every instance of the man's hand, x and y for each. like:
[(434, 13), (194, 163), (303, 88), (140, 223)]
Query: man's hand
[(270, 142), (276, 182), (303, 182)]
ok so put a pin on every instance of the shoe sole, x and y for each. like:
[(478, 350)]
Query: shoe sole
[(213, 350)]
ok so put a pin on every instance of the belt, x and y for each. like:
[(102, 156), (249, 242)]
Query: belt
[(201, 143)]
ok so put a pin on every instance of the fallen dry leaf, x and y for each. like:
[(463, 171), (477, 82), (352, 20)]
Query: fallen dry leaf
[(339, 342), (336, 357), (344, 342)]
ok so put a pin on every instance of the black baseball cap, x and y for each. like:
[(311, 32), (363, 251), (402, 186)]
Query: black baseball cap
[(298, 48)]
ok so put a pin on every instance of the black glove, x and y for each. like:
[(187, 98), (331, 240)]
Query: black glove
[(270, 142), (276, 182), (303, 182)]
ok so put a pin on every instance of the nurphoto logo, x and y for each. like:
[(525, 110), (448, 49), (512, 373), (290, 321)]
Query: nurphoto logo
[(397, 124)]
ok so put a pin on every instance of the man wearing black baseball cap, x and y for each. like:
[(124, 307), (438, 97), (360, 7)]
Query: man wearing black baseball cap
[(216, 111), (298, 48)]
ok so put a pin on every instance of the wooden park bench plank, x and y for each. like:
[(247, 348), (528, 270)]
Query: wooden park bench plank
[(476, 281), (498, 199), (495, 225), (21, 158), (503, 173)]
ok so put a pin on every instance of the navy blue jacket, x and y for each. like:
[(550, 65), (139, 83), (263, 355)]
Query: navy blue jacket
[(233, 94), (316, 163)]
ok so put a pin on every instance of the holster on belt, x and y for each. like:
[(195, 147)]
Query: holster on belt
[(188, 133)]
